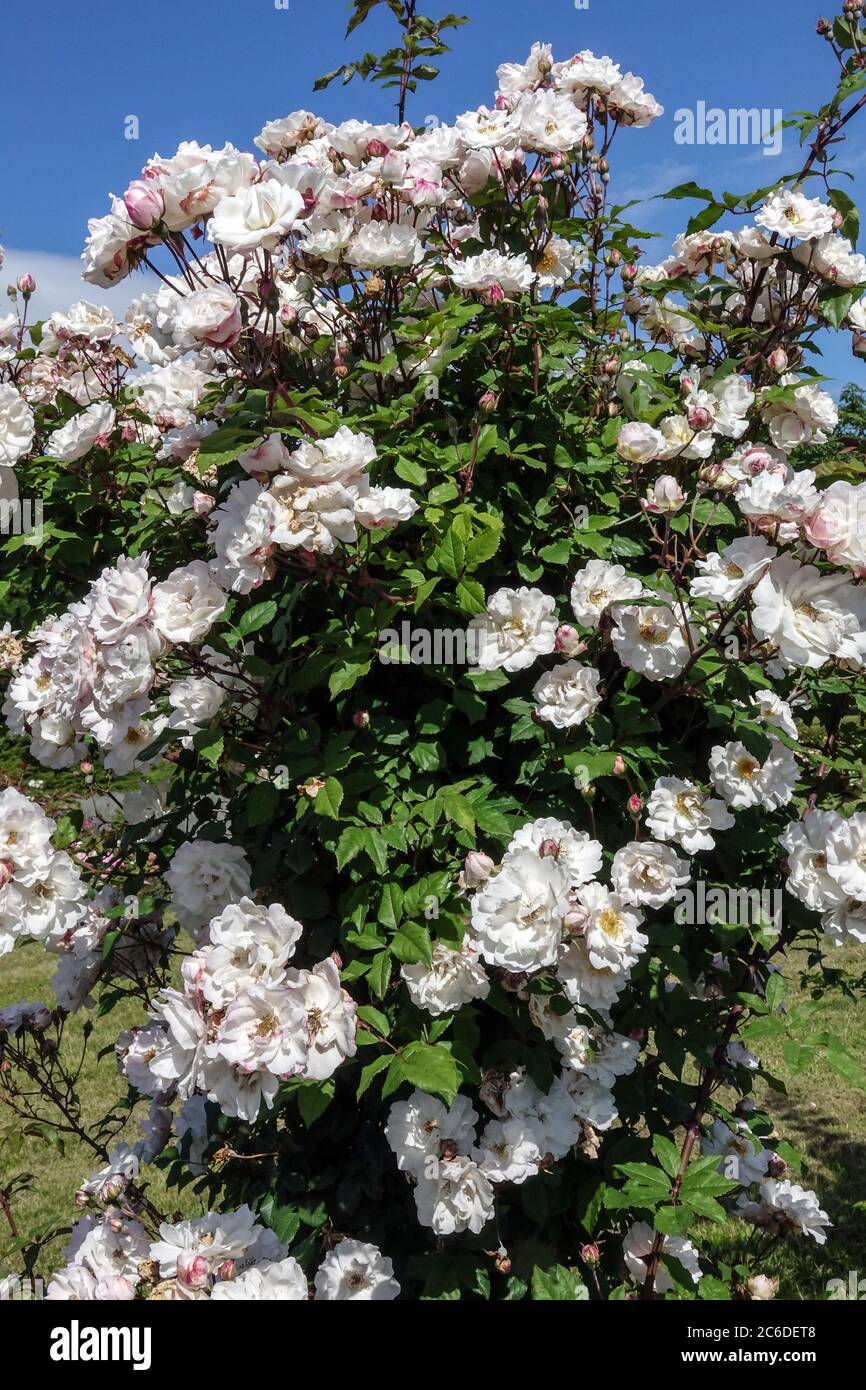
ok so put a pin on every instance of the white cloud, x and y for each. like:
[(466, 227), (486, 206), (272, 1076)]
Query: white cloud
[(59, 284)]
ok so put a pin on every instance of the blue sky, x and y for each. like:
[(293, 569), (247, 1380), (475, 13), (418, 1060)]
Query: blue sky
[(216, 70)]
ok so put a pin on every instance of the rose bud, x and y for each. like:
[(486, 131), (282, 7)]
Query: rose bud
[(26, 284), (495, 294), (762, 1287), (635, 805), (700, 418), (202, 503), (777, 1167), (590, 1254), (618, 765), (144, 203), (568, 640), (489, 401), (664, 496), (477, 868), (575, 921), (361, 719), (192, 1270), (778, 360)]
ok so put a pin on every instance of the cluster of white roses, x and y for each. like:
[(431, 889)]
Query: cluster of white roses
[(43, 898), (359, 197), (94, 666), (245, 1020), (827, 871), (760, 280), (41, 890), (314, 497), (456, 1171), (223, 1255)]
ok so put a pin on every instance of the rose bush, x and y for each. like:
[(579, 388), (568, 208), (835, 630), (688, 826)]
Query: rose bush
[(438, 582)]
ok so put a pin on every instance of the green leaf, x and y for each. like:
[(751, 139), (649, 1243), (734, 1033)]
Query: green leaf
[(558, 1284), (412, 944), (208, 743), (257, 617), (379, 974), (261, 804), (329, 799), (431, 1068), (314, 1097), (370, 1072), (391, 905), (667, 1154)]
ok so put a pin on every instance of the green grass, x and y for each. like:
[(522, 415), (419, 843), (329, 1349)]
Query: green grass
[(46, 1204), (825, 1119)]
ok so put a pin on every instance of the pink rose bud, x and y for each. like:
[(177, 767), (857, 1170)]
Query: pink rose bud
[(7, 869), (711, 473), (700, 418), (495, 294), (226, 1270), (113, 1188), (618, 765), (361, 719), (202, 503), (377, 149), (778, 360), (777, 1167), (549, 849), (488, 402), (26, 284), (289, 315), (575, 921), (590, 1254), (568, 640), (664, 496), (192, 1269), (127, 432), (144, 204), (635, 805), (477, 868), (628, 272)]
